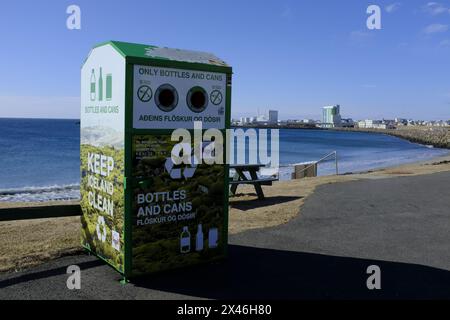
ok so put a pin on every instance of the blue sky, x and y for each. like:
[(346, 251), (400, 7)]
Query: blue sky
[(293, 56)]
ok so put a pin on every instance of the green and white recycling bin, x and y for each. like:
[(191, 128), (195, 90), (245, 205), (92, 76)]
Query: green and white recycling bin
[(141, 212)]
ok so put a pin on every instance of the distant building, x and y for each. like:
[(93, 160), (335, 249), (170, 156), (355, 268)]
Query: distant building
[(368, 124), (376, 124), (401, 121), (347, 123), (331, 116), (261, 118), (235, 122), (245, 120), (273, 116), (398, 122)]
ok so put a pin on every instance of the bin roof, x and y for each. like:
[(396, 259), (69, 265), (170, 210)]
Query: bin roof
[(143, 51)]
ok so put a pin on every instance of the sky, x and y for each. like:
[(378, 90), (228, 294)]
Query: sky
[(292, 56)]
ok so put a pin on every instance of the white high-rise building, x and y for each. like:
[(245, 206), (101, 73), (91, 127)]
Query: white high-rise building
[(331, 116)]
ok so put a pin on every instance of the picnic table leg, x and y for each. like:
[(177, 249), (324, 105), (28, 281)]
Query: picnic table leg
[(233, 189), (257, 185), (236, 177)]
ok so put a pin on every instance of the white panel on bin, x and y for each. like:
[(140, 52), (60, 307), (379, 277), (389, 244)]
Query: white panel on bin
[(155, 107)]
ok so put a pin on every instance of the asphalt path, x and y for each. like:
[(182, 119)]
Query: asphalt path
[(401, 225)]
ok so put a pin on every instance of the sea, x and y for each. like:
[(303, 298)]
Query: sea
[(39, 159)]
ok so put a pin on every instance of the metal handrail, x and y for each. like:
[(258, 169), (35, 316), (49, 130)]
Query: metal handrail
[(334, 153)]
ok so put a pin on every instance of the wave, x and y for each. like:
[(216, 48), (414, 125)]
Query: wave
[(41, 194)]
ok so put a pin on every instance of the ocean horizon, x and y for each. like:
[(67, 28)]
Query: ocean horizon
[(40, 157)]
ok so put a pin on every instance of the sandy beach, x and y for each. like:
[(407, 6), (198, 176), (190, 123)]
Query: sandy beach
[(29, 243)]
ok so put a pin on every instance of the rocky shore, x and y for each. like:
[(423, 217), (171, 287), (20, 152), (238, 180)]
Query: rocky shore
[(438, 137)]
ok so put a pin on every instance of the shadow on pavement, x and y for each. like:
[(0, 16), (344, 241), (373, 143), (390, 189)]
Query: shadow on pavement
[(254, 273), (28, 277), (245, 205)]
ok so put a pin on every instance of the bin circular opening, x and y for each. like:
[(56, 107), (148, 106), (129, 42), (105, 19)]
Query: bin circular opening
[(166, 97), (197, 99)]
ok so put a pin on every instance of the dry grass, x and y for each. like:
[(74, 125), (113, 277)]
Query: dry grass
[(29, 242)]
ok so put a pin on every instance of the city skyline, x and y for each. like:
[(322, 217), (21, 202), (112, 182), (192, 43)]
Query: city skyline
[(319, 116), (332, 118)]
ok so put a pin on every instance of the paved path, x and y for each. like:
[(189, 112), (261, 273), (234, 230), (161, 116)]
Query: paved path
[(400, 224)]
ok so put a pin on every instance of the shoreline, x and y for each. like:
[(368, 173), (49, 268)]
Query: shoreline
[(31, 204), (436, 159), (438, 137)]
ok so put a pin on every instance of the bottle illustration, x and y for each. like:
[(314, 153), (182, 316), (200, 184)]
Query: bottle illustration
[(93, 85), (213, 236), (185, 241), (199, 239), (108, 86), (100, 86)]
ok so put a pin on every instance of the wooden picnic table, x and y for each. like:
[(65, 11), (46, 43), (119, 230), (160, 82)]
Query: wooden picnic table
[(240, 178)]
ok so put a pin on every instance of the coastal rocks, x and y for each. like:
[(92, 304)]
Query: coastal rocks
[(437, 137)]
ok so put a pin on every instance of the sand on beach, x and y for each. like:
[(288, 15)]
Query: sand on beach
[(31, 242)]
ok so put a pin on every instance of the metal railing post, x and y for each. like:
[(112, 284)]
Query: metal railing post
[(336, 161), (323, 159)]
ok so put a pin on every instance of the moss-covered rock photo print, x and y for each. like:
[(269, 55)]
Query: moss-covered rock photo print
[(178, 211), (102, 202)]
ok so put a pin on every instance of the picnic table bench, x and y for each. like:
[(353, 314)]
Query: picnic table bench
[(241, 178)]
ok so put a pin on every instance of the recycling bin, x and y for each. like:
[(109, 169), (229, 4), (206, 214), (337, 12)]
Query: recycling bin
[(141, 211)]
